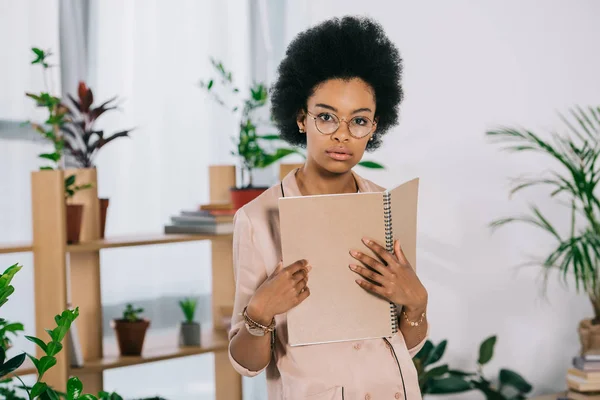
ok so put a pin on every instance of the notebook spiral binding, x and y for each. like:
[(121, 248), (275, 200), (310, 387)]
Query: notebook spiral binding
[(389, 245)]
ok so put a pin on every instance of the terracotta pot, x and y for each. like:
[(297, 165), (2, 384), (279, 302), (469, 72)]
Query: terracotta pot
[(241, 197), (74, 217), (103, 209), (589, 336), (130, 336)]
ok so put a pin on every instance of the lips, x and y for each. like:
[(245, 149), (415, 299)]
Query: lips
[(339, 153)]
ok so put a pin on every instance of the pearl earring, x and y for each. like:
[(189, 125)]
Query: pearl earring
[(301, 130), (371, 139)]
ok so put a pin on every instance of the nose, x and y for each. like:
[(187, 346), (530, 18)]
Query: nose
[(343, 133)]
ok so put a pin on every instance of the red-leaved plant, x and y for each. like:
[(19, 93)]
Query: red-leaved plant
[(82, 140)]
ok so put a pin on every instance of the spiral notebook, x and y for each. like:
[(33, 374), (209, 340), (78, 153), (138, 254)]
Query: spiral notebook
[(322, 229)]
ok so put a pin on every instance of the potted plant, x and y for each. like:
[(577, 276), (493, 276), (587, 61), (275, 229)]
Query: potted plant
[(573, 182), (52, 130), (441, 379), (131, 331), (189, 331), (82, 141), (248, 144)]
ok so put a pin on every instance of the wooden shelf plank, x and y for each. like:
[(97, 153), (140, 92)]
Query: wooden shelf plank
[(210, 342), (16, 248), (138, 240)]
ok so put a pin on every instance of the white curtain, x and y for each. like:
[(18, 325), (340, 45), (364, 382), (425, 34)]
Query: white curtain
[(152, 54), (23, 24)]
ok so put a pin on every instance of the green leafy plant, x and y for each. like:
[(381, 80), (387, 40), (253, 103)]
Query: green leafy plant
[(441, 379), (188, 307), (248, 143), (82, 140), (6, 328), (573, 182), (54, 127), (131, 314)]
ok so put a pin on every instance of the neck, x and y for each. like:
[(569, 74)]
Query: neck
[(315, 181)]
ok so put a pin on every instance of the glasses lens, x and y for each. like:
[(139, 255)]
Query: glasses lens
[(327, 123), (360, 127)]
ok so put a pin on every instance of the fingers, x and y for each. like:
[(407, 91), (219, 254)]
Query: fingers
[(367, 273), (297, 266), (303, 295), (381, 251), (301, 284), (400, 253), (279, 267), (371, 262), (371, 287)]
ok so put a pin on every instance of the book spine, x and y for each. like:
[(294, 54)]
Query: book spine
[(389, 245)]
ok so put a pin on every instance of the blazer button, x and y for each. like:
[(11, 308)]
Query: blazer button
[(357, 346), (367, 396), (397, 395)]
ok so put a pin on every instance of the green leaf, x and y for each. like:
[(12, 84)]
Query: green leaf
[(437, 353), (512, 378), (50, 332), (371, 164), (74, 388), (210, 84), (63, 322), (35, 362), (486, 350), (11, 365), (51, 395), (436, 372), (46, 169), (88, 397), (70, 180), (39, 342), (46, 362), (269, 137), (38, 389), (461, 373), (8, 275), (448, 385), (54, 348)]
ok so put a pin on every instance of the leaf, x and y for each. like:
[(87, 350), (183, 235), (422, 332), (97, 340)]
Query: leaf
[(50, 394), (46, 362), (423, 354), (486, 350), (39, 342), (210, 84), (371, 164), (512, 378), (269, 137), (35, 362), (74, 388), (46, 169), (88, 397), (38, 389), (448, 385), (11, 365), (461, 373), (54, 348), (70, 180), (8, 275), (437, 353), (436, 372)]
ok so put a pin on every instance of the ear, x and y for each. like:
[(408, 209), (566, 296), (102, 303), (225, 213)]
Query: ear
[(301, 120)]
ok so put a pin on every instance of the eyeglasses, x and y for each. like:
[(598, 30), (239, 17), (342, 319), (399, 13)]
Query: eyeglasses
[(328, 123)]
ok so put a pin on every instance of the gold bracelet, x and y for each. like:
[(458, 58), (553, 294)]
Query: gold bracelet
[(413, 323)]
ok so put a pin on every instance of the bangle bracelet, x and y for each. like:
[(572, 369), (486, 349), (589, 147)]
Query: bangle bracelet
[(252, 322), (413, 323)]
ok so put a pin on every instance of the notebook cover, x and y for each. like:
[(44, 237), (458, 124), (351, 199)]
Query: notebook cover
[(322, 229)]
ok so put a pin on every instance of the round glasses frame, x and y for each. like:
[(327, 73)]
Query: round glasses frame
[(340, 120)]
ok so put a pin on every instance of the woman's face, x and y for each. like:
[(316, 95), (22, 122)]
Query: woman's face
[(340, 100)]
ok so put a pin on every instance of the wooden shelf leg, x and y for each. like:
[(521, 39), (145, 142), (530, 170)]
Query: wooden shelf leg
[(49, 246)]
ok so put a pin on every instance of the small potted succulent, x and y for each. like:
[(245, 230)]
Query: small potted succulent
[(189, 331), (131, 331)]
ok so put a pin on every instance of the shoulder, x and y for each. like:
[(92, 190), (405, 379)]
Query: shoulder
[(367, 185), (257, 210)]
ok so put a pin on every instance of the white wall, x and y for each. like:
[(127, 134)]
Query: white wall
[(471, 66)]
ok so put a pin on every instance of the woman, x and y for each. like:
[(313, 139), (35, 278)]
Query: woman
[(337, 93)]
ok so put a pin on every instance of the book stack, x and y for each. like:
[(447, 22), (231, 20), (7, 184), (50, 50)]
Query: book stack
[(583, 379), (211, 219)]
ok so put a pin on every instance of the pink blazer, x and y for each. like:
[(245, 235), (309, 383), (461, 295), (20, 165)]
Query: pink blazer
[(366, 369)]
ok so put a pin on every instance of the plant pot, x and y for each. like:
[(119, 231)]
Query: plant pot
[(589, 336), (189, 334), (103, 209), (74, 218), (130, 336), (241, 197)]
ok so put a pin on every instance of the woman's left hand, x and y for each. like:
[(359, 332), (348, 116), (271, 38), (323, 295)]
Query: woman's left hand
[(395, 278)]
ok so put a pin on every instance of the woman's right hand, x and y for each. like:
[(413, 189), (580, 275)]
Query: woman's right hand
[(282, 291)]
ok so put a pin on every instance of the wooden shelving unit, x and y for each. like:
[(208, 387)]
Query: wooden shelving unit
[(53, 278)]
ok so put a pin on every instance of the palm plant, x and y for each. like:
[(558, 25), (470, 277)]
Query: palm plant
[(576, 253)]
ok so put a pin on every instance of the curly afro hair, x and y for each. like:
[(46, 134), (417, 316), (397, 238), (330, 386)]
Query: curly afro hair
[(350, 47)]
